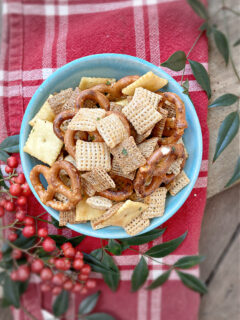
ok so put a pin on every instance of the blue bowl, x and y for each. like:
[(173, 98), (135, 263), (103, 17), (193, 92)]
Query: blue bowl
[(114, 66)]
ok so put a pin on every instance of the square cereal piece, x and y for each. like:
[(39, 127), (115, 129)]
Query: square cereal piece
[(175, 167), (87, 188), (125, 214), (86, 119), (148, 97), (89, 82), (91, 155), (72, 101), (178, 183), (115, 107), (128, 156), (98, 222), (147, 147), (100, 203), (137, 225), (99, 179), (67, 217), (143, 117), (58, 100), (112, 130), (84, 212), (45, 113), (159, 127), (42, 143), (148, 81), (141, 137), (156, 203), (116, 170)]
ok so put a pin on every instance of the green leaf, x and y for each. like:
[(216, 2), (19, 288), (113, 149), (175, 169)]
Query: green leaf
[(222, 44), (176, 61), (160, 280), (99, 316), (206, 27), (192, 282), (140, 274), (163, 249), (89, 303), (97, 264), (201, 76), (237, 43), (11, 292), (3, 156), (143, 238), (226, 133), (188, 262), (61, 303), (2, 182), (114, 247), (25, 243), (199, 8), (60, 240), (111, 279), (225, 100), (5, 303), (22, 287), (235, 176), (2, 276), (76, 240), (10, 144)]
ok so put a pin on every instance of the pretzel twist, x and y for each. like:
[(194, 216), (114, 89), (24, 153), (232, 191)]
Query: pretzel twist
[(55, 184), (60, 118), (124, 188), (92, 94)]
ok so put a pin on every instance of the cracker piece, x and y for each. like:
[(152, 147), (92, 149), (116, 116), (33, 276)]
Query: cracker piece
[(170, 107), (159, 127), (175, 167), (84, 212), (141, 137), (178, 183), (87, 188), (126, 213), (143, 117), (86, 119), (116, 170), (67, 217), (147, 96), (137, 225), (100, 203), (45, 113), (185, 149), (147, 147), (122, 102), (89, 82), (112, 130), (58, 100), (42, 142), (71, 102), (115, 107), (128, 156), (98, 222), (99, 179), (148, 81), (91, 155), (156, 203)]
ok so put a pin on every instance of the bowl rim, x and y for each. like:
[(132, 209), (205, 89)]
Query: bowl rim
[(174, 206)]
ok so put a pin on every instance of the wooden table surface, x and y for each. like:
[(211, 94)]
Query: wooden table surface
[(220, 236)]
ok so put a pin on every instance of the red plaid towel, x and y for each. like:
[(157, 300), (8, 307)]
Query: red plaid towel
[(39, 37)]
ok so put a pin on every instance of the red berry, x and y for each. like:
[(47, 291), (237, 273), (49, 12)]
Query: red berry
[(79, 255), (14, 275), (52, 260), (56, 291), (15, 190), (20, 215), (42, 232), (37, 266), (2, 212), (60, 264), (2, 202), (22, 201), (77, 288), (26, 191), (78, 264), (16, 254), (29, 231), (58, 279), (12, 236), (9, 206), (8, 169), (84, 290), (67, 264), (45, 287), (66, 246), (82, 277), (90, 284), (20, 179), (86, 269), (68, 285), (46, 274), (12, 162), (29, 221), (23, 273), (69, 252), (49, 244)]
